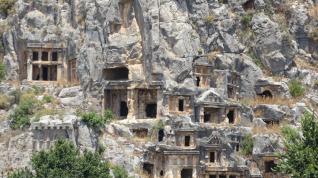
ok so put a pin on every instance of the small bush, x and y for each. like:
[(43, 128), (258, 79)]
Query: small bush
[(119, 172), (48, 99), (17, 95), (246, 20), (4, 102), (21, 173), (296, 88), (6, 6), (247, 145), (20, 117), (38, 90), (159, 125), (95, 120), (251, 53), (2, 71)]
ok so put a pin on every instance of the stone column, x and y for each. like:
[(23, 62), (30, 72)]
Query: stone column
[(132, 102), (59, 68), (49, 53), (29, 66), (41, 72)]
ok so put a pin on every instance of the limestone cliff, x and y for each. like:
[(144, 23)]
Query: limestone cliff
[(201, 67)]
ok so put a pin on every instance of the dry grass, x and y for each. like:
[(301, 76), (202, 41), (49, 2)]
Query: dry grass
[(65, 84), (4, 102), (303, 64), (212, 55), (272, 101), (270, 129), (258, 113)]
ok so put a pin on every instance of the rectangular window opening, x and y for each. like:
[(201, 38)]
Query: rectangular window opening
[(212, 157), (54, 56), (181, 104), (269, 166), (123, 109), (35, 56), (45, 56), (187, 141)]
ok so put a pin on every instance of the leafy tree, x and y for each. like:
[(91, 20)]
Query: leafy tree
[(301, 157), (64, 160), (26, 108)]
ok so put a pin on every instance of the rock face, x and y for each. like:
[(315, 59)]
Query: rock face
[(179, 77), (273, 47)]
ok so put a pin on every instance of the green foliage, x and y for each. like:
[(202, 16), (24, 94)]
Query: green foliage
[(4, 102), (21, 173), (247, 145), (251, 53), (48, 99), (300, 158), (20, 117), (2, 71), (64, 160), (159, 125), (95, 120), (246, 20), (17, 95), (6, 6), (296, 88), (38, 90), (119, 172)]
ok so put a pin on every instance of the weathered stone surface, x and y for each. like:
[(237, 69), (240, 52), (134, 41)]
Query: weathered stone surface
[(70, 92), (269, 112), (275, 49), (161, 43)]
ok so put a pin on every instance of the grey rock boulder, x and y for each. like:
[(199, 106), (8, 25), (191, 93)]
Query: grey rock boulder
[(70, 92), (269, 112)]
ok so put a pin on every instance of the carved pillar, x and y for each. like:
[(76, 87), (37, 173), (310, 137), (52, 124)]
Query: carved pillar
[(29, 65), (59, 68), (41, 72), (132, 102)]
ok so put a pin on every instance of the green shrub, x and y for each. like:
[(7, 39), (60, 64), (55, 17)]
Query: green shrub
[(17, 95), (38, 90), (2, 71), (21, 173), (246, 20), (20, 117), (4, 102), (48, 99), (6, 6), (159, 125), (119, 172), (247, 145), (296, 88), (251, 53), (95, 120)]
